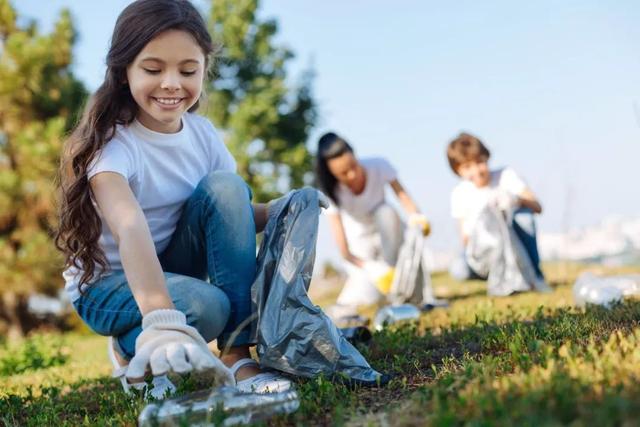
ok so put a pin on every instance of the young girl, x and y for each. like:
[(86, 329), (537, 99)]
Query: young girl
[(158, 231), (368, 231)]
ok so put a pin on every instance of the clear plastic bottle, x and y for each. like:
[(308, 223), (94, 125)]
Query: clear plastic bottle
[(223, 406), (395, 314), (604, 290)]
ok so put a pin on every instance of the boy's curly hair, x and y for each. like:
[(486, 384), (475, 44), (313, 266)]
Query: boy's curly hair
[(466, 148)]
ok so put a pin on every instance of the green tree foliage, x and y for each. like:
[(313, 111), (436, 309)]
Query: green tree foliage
[(264, 123), (39, 101)]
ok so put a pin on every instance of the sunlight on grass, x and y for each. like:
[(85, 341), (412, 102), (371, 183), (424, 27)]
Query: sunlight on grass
[(87, 359), (527, 359)]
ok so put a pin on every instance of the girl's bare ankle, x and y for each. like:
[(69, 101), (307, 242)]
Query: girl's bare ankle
[(234, 354)]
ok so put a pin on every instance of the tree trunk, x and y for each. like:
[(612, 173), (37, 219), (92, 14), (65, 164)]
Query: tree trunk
[(14, 312)]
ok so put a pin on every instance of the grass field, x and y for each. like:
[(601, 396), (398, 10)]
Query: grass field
[(528, 359)]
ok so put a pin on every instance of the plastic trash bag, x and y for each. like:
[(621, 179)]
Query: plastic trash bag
[(607, 290), (412, 278), (495, 251), (293, 335)]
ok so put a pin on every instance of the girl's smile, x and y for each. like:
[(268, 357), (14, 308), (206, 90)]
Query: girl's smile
[(168, 102)]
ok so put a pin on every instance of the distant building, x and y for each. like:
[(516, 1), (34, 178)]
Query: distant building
[(615, 241)]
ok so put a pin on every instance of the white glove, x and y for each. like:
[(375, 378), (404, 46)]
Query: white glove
[(504, 200), (167, 343)]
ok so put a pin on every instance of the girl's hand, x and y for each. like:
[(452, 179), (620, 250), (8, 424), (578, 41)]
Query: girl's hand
[(167, 343), (504, 201), (264, 212), (323, 201)]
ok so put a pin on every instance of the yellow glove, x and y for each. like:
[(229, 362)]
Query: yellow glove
[(384, 282), (420, 220), (381, 274)]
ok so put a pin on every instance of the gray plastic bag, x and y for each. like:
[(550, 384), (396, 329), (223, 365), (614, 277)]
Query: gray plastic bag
[(412, 278), (495, 251), (293, 335)]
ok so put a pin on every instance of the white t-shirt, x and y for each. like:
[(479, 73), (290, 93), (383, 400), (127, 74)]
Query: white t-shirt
[(356, 209), (468, 201), (163, 171)]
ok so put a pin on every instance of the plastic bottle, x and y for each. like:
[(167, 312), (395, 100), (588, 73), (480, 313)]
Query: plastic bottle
[(395, 314), (604, 290), (223, 406)]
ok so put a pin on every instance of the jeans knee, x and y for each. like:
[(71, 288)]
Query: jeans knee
[(209, 315), (206, 307), (224, 186)]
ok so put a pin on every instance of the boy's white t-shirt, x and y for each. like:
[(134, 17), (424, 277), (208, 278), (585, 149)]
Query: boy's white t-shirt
[(468, 201), (356, 209), (163, 170)]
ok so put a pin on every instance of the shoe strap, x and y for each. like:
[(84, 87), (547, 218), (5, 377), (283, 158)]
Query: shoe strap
[(241, 364), (118, 370), (260, 378)]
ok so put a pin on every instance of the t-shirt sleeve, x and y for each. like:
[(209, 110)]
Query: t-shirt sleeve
[(114, 157), (386, 170), (511, 182), (221, 158)]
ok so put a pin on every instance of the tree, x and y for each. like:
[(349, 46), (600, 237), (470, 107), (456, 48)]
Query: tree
[(264, 123), (39, 102)]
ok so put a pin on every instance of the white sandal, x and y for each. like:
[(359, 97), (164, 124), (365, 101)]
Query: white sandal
[(161, 385), (264, 382)]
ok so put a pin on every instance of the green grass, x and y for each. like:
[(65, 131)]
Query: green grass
[(39, 352), (528, 359)]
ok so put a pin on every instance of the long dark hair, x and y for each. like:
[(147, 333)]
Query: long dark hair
[(330, 146), (80, 226)]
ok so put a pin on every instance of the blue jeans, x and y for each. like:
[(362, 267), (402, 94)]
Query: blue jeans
[(525, 227), (209, 267)]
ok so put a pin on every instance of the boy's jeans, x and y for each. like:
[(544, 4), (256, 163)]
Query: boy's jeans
[(215, 239), (525, 227)]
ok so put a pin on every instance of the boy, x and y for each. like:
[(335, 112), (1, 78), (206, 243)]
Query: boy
[(501, 188)]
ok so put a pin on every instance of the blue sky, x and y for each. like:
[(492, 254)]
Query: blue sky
[(549, 86)]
